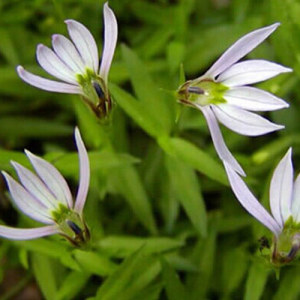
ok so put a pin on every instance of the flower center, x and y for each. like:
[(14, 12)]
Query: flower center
[(95, 92), (203, 92), (71, 225), (288, 243)]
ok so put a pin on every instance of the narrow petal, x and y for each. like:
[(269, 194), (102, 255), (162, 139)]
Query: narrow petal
[(296, 200), (53, 65), (27, 233), (29, 205), (253, 99), (251, 71), (218, 140), (52, 179), (243, 121), (110, 41), (281, 189), (249, 202), (46, 84), (85, 44), (239, 49), (35, 186), (67, 52), (84, 173)]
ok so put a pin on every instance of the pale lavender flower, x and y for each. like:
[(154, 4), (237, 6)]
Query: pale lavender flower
[(76, 63), (284, 203), (223, 94), (46, 197)]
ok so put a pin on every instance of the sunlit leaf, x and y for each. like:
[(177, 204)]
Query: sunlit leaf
[(123, 246)]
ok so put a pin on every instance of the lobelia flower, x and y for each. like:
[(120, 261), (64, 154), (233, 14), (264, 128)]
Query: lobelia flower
[(76, 63), (46, 197), (222, 93), (285, 207)]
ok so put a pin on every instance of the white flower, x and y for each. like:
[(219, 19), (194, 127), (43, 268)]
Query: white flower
[(46, 197), (76, 63), (222, 93), (284, 195)]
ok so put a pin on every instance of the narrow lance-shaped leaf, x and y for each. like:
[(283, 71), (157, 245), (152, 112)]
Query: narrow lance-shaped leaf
[(187, 188)]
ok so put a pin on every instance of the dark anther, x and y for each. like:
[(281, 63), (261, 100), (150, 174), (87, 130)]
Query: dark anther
[(293, 252), (98, 90), (74, 227), (195, 90)]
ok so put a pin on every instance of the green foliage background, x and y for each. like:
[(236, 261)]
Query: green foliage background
[(165, 224)]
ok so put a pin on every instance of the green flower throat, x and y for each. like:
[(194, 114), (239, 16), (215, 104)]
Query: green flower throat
[(287, 245), (203, 92), (95, 92), (71, 225)]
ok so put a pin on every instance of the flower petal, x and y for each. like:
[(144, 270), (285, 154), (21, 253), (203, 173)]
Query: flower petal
[(243, 121), (35, 186), (239, 49), (253, 99), (27, 233), (85, 44), (218, 140), (110, 41), (251, 71), (84, 173), (53, 65), (67, 52), (249, 202), (296, 200), (46, 84), (29, 205), (52, 179), (281, 189)]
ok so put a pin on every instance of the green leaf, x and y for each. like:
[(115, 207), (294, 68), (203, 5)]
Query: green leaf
[(147, 91), (7, 156), (194, 157), (240, 10), (52, 249), (180, 263), (274, 149), (32, 128), (175, 54), (289, 288), (201, 52), (204, 258), (229, 224), (187, 189), (72, 285), (137, 111), (7, 48), (151, 292), (146, 272), (127, 182), (44, 275), (284, 41), (94, 263), (174, 287), (131, 277), (68, 163), (155, 43), (168, 203), (234, 263), (256, 281), (153, 13), (123, 246)]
